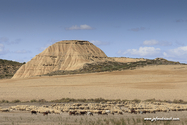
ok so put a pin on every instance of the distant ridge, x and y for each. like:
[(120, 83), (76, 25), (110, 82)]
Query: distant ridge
[(8, 68)]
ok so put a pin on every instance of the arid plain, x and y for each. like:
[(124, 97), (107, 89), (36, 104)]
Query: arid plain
[(164, 82)]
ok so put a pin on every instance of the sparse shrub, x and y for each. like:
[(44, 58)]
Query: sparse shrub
[(81, 100), (5, 101), (175, 101), (136, 100), (33, 100), (42, 100), (117, 99), (181, 101), (99, 100), (150, 100), (25, 101), (16, 101)]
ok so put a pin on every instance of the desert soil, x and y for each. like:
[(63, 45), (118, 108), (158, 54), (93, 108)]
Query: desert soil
[(165, 82)]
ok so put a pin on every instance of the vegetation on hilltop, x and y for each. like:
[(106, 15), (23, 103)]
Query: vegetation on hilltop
[(112, 66), (8, 68)]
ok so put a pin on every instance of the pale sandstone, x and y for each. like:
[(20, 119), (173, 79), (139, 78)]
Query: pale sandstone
[(65, 55)]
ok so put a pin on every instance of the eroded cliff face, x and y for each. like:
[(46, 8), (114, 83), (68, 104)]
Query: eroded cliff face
[(63, 55)]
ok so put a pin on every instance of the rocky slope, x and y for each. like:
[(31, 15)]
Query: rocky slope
[(63, 55), (8, 68)]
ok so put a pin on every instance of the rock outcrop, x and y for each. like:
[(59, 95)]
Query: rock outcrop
[(125, 59), (63, 55)]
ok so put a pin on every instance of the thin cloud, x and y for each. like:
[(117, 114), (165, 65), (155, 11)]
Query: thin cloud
[(177, 52), (143, 51), (4, 40), (21, 51), (81, 27), (180, 20), (179, 43), (155, 42), (119, 52), (98, 43), (7, 41), (16, 41), (137, 29), (150, 42), (2, 50), (165, 43)]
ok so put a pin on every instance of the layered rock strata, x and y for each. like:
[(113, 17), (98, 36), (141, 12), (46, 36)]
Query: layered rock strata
[(63, 55)]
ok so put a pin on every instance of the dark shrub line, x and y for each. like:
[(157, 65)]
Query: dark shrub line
[(96, 100)]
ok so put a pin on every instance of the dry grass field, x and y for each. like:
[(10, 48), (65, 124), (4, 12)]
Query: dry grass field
[(164, 82), (25, 118)]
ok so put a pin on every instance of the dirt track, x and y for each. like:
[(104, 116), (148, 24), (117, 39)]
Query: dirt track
[(160, 82)]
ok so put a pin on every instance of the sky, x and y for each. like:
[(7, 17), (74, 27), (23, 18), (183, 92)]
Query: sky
[(121, 28)]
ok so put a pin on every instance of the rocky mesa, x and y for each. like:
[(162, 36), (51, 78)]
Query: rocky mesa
[(63, 55)]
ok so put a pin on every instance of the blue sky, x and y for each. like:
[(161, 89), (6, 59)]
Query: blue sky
[(121, 28)]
